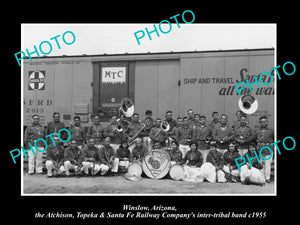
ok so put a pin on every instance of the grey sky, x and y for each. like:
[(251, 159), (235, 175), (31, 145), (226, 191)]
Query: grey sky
[(119, 38)]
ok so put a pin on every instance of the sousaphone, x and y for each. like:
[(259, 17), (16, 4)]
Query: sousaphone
[(248, 104)]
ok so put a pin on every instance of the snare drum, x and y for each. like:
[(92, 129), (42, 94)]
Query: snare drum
[(156, 164), (135, 169), (176, 172)]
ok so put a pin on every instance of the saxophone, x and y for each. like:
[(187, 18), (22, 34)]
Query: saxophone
[(132, 139)]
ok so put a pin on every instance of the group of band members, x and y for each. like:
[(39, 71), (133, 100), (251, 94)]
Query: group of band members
[(206, 149)]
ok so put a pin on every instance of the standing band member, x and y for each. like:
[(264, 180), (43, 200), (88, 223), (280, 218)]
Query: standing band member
[(184, 136), (107, 158), (223, 134), (215, 120), (149, 123), (32, 133), (202, 134), (96, 132), (264, 136), (134, 129), (157, 134), (77, 132), (139, 151), (243, 135), (55, 158), (112, 131), (55, 126)]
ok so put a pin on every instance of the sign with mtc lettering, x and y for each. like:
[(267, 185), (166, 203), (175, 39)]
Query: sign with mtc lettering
[(113, 75)]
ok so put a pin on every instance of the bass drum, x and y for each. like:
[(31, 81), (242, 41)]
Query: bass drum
[(156, 164), (176, 172)]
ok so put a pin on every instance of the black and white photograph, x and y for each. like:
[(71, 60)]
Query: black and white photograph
[(167, 121), (165, 116)]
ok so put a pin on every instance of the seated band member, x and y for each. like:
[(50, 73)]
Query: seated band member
[(212, 169), (192, 163), (230, 164), (90, 158), (184, 136), (73, 158), (139, 151), (123, 154), (108, 160), (252, 174), (55, 157), (175, 154)]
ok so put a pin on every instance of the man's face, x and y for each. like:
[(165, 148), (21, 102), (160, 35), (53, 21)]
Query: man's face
[(179, 122), (169, 116), (157, 123), (91, 142), (77, 122), (96, 120), (185, 122), (202, 121), (135, 118), (264, 123), (73, 144), (243, 121), (106, 141), (113, 119), (148, 115), (223, 120), (36, 120), (190, 114), (197, 118), (56, 117)]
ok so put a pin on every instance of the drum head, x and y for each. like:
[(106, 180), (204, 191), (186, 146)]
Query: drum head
[(135, 169), (156, 164), (176, 172)]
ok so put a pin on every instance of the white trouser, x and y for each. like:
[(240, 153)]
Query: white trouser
[(204, 153), (184, 149), (267, 166), (124, 164), (254, 175), (50, 166), (105, 168), (69, 166), (35, 161), (131, 147), (209, 172), (90, 165)]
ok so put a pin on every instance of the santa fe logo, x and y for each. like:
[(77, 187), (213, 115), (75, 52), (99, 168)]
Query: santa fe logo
[(36, 80)]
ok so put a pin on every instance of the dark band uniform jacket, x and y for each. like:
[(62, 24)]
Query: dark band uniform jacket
[(75, 155), (201, 134), (220, 133), (106, 154), (56, 154), (194, 158), (184, 135), (110, 131), (229, 158), (95, 132), (138, 153), (175, 155), (161, 137), (215, 158), (123, 153), (264, 137), (243, 135), (78, 134), (33, 133), (90, 152)]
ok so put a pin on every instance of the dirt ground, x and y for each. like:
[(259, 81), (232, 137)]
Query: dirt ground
[(40, 184)]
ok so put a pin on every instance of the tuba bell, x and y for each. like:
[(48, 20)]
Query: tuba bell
[(165, 126), (127, 107), (248, 104)]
